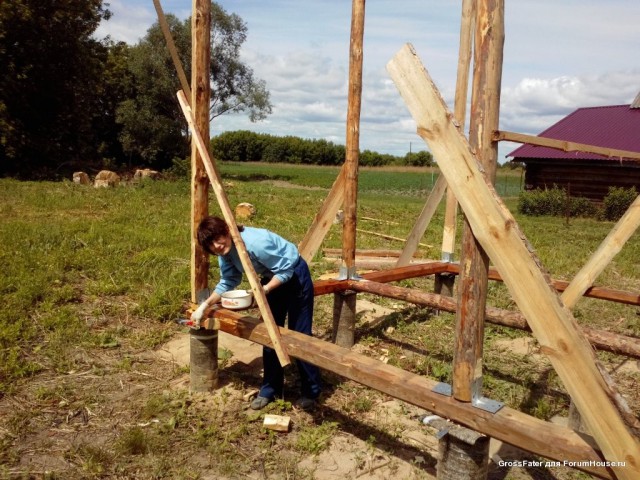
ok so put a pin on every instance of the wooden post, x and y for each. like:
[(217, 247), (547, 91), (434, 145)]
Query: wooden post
[(227, 213), (203, 354), (200, 99), (498, 233), (472, 292), (347, 319), (467, 25)]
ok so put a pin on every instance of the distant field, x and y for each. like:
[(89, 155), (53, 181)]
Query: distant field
[(412, 181)]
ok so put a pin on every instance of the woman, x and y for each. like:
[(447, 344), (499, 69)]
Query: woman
[(286, 281)]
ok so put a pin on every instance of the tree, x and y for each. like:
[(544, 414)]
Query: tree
[(49, 82), (153, 129)]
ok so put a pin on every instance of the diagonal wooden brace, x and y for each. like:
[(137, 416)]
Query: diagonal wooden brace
[(252, 276), (497, 231)]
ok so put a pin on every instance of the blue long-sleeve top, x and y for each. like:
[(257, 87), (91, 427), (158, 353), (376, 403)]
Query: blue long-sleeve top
[(270, 254)]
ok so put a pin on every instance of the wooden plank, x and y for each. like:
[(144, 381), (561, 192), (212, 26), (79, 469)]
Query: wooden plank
[(609, 248), (216, 183), (413, 240), (497, 231), (508, 425), (564, 145), (200, 100)]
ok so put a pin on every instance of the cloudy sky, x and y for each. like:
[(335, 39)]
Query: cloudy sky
[(558, 56)]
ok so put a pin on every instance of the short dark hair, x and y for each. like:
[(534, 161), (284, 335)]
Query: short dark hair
[(210, 229)]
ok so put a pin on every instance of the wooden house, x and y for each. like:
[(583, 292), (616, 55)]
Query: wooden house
[(586, 174)]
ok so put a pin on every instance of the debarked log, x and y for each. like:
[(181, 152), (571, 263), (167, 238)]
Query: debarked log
[(600, 339), (511, 426)]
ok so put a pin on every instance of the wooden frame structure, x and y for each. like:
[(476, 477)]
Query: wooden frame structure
[(491, 232)]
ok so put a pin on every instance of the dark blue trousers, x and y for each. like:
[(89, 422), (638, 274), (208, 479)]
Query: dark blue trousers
[(295, 300)]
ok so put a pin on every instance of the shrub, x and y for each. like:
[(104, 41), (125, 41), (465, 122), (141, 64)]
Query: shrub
[(617, 202), (554, 201)]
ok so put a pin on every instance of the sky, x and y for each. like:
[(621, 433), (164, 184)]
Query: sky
[(558, 56)]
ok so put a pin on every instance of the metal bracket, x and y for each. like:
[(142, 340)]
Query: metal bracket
[(483, 403), (348, 273), (447, 257), (202, 295)]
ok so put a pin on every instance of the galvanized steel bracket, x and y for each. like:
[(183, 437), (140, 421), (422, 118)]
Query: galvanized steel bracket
[(483, 403)]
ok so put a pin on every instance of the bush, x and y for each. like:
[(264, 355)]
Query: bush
[(555, 202), (617, 202)]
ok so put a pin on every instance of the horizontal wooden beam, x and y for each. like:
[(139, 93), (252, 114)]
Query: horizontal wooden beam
[(431, 267), (599, 339), (564, 145), (511, 426), (602, 293)]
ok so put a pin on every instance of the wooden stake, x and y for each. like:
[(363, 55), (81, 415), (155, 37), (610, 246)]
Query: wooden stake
[(609, 248), (497, 231), (216, 183)]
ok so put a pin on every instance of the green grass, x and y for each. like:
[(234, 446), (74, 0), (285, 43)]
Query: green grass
[(92, 277)]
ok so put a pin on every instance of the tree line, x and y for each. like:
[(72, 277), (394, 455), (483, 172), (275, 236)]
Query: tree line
[(71, 101), (246, 146)]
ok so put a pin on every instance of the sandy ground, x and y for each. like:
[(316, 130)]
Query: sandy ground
[(348, 455)]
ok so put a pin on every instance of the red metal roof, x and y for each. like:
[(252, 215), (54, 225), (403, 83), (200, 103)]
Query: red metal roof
[(615, 127)]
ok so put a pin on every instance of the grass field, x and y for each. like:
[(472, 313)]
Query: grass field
[(91, 279)]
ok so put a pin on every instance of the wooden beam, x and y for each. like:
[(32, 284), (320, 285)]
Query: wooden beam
[(413, 240), (599, 339), (609, 248), (564, 145), (216, 183), (602, 293), (508, 425), (497, 231)]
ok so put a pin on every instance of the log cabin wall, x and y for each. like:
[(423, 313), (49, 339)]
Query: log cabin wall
[(589, 178)]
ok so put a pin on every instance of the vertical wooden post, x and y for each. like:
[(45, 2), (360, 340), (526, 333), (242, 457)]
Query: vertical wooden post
[(460, 459), (460, 110), (203, 350), (200, 99), (352, 156), (485, 105)]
